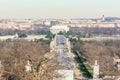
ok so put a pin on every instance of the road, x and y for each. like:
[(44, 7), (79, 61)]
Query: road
[(60, 40), (62, 53), (65, 58)]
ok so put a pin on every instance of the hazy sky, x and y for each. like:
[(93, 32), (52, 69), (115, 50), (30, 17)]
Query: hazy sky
[(58, 8)]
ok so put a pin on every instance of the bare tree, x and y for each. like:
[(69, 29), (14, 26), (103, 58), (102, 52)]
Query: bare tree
[(15, 54)]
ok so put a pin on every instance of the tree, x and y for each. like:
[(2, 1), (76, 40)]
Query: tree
[(22, 35)]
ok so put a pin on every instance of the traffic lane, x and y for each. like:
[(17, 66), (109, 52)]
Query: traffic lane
[(62, 58), (60, 40)]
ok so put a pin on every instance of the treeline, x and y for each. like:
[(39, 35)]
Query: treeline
[(96, 31), (36, 31)]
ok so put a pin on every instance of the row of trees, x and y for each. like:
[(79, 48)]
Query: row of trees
[(71, 34), (83, 67)]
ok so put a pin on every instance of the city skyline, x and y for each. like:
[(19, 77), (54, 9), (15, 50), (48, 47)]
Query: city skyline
[(58, 9)]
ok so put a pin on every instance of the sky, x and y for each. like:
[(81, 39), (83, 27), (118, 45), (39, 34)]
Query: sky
[(59, 8)]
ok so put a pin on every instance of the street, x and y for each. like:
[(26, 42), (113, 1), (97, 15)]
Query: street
[(62, 53)]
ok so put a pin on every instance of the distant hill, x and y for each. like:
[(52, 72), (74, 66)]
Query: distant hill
[(106, 18)]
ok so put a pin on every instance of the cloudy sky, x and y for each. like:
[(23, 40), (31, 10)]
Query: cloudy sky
[(59, 8)]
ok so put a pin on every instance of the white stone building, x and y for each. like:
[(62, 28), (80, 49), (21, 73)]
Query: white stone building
[(57, 29)]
